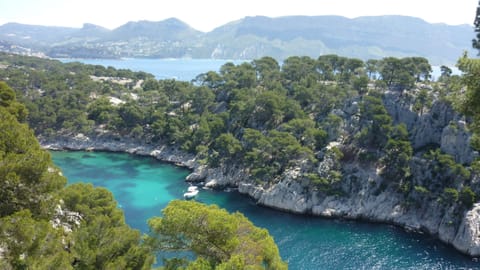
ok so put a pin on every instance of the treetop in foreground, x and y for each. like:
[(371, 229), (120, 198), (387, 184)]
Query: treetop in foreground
[(218, 239)]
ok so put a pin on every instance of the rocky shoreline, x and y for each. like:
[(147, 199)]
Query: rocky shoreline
[(291, 195)]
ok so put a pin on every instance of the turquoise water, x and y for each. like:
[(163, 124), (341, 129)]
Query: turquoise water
[(143, 186)]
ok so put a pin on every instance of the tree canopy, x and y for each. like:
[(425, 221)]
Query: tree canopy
[(33, 195), (218, 239), (265, 118), (476, 23), (45, 225)]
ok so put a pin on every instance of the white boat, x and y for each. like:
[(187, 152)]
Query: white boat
[(191, 193)]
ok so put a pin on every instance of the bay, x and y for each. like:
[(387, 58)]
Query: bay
[(185, 69), (178, 69), (143, 186)]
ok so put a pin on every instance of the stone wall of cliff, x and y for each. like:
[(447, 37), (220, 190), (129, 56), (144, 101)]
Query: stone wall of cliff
[(362, 192)]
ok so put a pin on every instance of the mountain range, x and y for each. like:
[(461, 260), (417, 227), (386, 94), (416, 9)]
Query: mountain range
[(249, 38)]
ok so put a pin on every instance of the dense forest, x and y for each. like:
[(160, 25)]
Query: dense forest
[(47, 225), (312, 125), (262, 116)]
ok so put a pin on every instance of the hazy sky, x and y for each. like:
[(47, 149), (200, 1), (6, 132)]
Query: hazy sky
[(205, 15)]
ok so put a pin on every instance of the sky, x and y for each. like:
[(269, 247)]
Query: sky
[(205, 15)]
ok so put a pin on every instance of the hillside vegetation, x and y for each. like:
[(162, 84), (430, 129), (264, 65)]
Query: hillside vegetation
[(268, 120), (331, 136), (47, 225)]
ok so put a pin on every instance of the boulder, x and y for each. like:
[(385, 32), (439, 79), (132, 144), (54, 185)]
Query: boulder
[(467, 239), (198, 174)]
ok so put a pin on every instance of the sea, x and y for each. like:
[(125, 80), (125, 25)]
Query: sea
[(143, 186), (184, 69), (177, 69)]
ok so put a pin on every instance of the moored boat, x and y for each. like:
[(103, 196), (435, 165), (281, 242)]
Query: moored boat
[(191, 193)]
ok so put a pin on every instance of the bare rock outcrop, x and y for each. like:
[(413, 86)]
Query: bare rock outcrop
[(467, 238), (364, 194)]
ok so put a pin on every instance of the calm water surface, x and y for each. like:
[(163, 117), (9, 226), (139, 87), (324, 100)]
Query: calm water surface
[(178, 69), (143, 186), (184, 69)]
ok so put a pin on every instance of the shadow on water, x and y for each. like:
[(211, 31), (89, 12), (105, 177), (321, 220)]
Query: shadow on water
[(126, 185), (126, 171), (136, 217), (309, 242)]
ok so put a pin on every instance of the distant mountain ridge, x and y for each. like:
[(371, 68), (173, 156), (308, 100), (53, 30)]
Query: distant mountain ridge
[(250, 38), (169, 29)]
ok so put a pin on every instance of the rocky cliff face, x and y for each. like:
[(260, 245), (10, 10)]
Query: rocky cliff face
[(439, 125), (365, 197), (115, 144), (363, 193)]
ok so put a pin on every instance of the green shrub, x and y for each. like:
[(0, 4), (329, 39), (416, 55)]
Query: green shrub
[(367, 156), (421, 190), (467, 197), (447, 164), (450, 195)]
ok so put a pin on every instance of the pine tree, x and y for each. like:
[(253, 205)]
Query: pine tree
[(476, 23)]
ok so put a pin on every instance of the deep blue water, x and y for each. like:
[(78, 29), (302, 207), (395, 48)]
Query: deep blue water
[(143, 186)]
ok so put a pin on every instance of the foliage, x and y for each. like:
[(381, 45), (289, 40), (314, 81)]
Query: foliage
[(219, 240), (445, 164), (265, 116), (476, 23), (447, 177), (394, 75), (470, 100), (306, 132), (57, 94), (24, 170), (450, 195), (470, 103), (268, 72), (268, 116), (371, 67), (103, 240), (32, 188), (421, 190), (467, 197), (295, 98), (378, 123), (401, 74), (33, 191), (325, 184), (30, 243), (398, 152), (227, 146), (423, 100), (9, 102)]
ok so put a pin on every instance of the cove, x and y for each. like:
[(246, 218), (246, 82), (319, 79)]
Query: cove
[(143, 186)]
